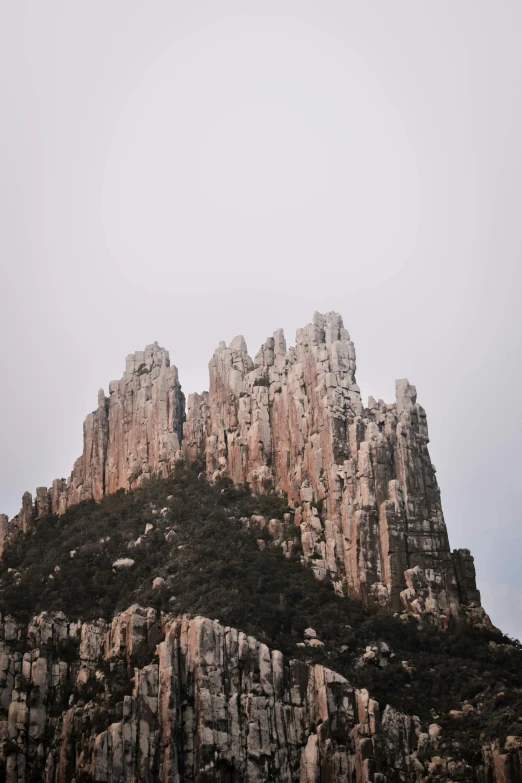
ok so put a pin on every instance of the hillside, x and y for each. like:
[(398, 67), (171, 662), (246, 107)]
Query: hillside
[(215, 562)]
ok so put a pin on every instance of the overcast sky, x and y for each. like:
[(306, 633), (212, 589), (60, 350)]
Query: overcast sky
[(188, 171)]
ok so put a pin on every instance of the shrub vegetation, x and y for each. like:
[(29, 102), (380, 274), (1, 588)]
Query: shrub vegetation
[(213, 565)]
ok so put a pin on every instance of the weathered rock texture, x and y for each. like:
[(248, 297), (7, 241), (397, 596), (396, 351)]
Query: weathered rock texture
[(134, 433), (213, 705), (361, 479)]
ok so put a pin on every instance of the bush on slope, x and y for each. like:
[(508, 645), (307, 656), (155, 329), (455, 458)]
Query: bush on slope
[(213, 566)]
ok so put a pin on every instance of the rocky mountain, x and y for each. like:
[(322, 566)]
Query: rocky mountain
[(360, 480), (277, 467)]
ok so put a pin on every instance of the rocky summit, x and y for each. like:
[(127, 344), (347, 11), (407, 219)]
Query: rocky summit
[(359, 480), (350, 642)]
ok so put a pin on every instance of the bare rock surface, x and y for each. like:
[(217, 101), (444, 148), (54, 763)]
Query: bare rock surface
[(213, 704), (359, 480), (134, 433)]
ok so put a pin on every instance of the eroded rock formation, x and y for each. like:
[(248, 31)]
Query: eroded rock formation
[(213, 705), (134, 433), (360, 478)]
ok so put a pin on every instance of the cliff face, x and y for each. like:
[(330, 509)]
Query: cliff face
[(134, 433), (360, 479), (213, 705)]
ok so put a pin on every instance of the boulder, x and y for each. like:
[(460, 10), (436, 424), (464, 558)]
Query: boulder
[(122, 563)]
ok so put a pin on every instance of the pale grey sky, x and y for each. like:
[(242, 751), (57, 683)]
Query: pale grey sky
[(187, 171)]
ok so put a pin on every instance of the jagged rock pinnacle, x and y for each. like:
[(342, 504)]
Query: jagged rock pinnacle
[(360, 480)]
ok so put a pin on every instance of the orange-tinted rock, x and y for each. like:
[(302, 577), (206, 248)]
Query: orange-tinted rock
[(134, 434), (360, 479), (214, 705)]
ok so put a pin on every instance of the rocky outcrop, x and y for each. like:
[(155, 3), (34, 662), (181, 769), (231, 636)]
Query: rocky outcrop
[(360, 478), (503, 761), (135, 433), (213, 704), (4, 532)]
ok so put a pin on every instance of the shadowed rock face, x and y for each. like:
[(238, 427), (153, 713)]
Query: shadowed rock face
[(216, 706), (213, 704), (360, 479)]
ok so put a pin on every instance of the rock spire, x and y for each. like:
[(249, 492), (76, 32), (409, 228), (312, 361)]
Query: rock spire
[(134, 433), (360, 478)]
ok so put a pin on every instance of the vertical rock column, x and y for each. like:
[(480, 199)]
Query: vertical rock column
[(132, 435), (27, 513), (196, 428), (4, 532), (427, 537), (95, 441), (146, 411), (314, 399)]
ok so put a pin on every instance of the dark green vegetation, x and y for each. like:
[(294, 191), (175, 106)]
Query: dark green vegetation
[(213, 566)]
